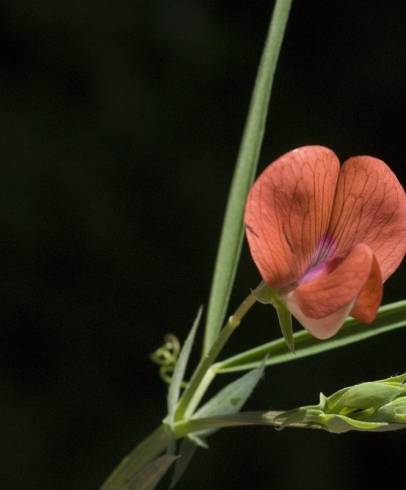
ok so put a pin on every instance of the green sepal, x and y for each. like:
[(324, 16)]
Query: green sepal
[(310, 415), (268, 296), (313, 416), (264, 294), (285, 322), (395, 411), (338, 424)]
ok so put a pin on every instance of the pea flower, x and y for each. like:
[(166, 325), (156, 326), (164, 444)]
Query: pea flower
[(326, 238)]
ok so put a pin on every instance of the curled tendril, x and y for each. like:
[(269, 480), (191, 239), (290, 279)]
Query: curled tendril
[(166, 357)]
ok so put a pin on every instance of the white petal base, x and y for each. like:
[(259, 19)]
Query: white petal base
[(321, 328)]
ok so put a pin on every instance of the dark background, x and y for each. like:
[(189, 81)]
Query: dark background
[(120, 124)]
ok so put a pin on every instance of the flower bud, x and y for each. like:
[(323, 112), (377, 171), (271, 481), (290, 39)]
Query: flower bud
[(364, 396), (395, 411), (377, 405)]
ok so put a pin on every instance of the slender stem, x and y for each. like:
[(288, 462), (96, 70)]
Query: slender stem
[(158, 440), (186, 427), (196, 389), (141, 455), (200, 391)]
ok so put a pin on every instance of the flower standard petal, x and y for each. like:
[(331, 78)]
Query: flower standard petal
[(331, 295), (369, 207), (288, 213)]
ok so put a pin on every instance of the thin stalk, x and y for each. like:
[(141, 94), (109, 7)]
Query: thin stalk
[(190, 426), (200, 391), (196, 389)]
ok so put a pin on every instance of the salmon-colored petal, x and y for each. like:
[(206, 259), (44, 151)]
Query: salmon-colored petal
[(321, 328), (370, 297), (288, 213), (331, 295), (370, 208)]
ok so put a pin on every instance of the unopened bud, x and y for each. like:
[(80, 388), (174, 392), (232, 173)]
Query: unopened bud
[(394, 412), (364, 396), (377, 405)]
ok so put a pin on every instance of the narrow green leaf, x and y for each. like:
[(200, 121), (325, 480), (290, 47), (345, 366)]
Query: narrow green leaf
[(199, 441), (180, 368), (232, 233), (186, 453), (145, 452), (390, 317), (149, 477), (232, 397)]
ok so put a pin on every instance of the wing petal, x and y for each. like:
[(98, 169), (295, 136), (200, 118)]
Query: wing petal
[(370, 297), (330, 296), (370, 208)]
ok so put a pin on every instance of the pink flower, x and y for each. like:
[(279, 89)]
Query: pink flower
[(326, 238)]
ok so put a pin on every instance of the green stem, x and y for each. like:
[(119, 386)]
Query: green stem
[(145, 452), (196, 388), (200, 391), (231, 239), (190, 426), (160, 439)]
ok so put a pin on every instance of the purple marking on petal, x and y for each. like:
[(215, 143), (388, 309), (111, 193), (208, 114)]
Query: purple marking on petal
[(324, 250), (313, 272), (323, 255)]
